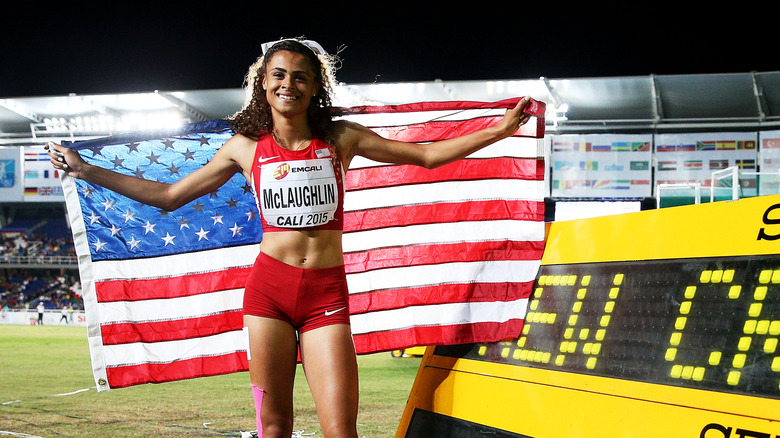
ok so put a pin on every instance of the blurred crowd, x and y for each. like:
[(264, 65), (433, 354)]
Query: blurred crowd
[(35, 245), (25, 287)]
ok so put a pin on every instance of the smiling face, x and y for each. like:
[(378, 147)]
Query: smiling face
[(290, 82)]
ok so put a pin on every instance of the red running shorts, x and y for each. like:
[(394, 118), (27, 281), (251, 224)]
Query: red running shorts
[(306, 298)]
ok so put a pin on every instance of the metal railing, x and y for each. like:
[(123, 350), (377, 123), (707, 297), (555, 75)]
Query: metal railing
[(37, 260)]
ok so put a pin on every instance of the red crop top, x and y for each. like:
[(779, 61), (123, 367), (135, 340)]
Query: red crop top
[(298, 189)]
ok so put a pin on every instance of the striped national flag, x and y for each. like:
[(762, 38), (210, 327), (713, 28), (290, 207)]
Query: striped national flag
[(437, 256)]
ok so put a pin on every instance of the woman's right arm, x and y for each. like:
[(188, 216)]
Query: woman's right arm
[(169, 197)]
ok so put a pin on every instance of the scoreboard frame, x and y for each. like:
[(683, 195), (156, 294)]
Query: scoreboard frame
[(719, 269)]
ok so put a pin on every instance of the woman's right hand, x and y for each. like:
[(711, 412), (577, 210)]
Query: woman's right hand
[(65, 159)]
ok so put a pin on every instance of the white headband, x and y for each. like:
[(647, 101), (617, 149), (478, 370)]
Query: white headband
[(313, 45)]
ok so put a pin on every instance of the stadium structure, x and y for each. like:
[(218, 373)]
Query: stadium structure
[(612, 145)]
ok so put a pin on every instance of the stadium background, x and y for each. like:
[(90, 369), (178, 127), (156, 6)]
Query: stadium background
[(682, 112)]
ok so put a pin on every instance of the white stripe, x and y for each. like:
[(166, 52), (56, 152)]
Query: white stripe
[(166, 352), (416, 117), (516, 147), (86, 274), (448, 232), (177, 264), (438, 314), (513, 147), (171, 308), (444, 273), (448, 191)]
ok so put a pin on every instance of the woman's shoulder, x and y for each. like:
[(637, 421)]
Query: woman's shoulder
[(241, 140), (238, 144), (342, 126), (238, 149), (346, 132)]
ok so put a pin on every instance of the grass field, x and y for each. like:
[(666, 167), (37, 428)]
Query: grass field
[(47, 390)]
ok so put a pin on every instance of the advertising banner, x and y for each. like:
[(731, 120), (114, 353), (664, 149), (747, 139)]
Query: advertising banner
[(602, 166), (693, 158), (769, 163), (41, 181), (10, 174)]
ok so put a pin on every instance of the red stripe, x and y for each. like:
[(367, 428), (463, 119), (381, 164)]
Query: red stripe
[(501, 209), (170, 287), (438, 335), (130, 375), (171, 330), (438, 294), (535, 108), (415, 255), (462, 170), (440, 130), (434, 131)]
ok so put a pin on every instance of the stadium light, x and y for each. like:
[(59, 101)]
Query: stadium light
[(105, 124)]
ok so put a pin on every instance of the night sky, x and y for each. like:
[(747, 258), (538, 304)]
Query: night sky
[(61, 50)]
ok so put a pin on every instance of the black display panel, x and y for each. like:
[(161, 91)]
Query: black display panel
[(709, 324), (427, 424)]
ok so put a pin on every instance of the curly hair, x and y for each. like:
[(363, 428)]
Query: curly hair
[(254, 119)]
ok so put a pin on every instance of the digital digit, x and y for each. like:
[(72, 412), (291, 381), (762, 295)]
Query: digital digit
[(743, 357), (537, 315), (696, 369), (761, 325)]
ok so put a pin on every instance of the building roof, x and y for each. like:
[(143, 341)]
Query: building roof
[(655, 103)]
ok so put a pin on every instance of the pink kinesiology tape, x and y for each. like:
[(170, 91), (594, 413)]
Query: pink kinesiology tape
[(258, 395)]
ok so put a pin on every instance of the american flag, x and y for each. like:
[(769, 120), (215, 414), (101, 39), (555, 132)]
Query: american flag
[(439, 256)]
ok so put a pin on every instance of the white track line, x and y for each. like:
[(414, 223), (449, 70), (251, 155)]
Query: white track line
[(74, 392), (2, 432)]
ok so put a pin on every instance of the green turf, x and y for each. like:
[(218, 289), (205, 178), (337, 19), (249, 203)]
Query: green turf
[(39, 362)]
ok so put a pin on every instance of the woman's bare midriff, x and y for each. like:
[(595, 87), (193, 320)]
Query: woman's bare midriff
[(305, 249)]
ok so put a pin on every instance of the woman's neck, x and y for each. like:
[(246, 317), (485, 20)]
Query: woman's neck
[(291, 134)]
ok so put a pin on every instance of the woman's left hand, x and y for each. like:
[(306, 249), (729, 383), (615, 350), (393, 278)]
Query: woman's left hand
[(514, 118)]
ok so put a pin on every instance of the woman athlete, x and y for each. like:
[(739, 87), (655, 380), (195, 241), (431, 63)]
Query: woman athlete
[(296, 295)]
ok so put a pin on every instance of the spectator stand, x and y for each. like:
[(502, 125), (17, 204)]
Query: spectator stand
[(38, 264)]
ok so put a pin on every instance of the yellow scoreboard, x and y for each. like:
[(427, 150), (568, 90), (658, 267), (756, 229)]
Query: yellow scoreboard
[(661, 323)]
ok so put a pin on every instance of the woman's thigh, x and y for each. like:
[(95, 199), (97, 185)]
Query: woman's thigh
[(273, 359), (328, 356)]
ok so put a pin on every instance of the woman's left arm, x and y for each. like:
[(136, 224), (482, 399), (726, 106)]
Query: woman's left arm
[(361, 141)]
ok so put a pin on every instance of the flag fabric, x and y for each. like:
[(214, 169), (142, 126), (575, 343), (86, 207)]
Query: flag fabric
[(442, 256)]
